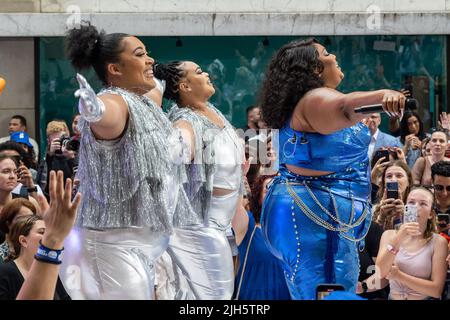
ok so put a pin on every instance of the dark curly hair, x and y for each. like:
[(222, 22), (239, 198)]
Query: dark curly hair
[(172, 74), (404, 131), (293, 71), (86, 46), (257, 188)]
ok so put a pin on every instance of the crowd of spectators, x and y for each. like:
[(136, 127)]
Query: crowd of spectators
[(414, 163)]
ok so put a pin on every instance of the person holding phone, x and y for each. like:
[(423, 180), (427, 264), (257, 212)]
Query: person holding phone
[(411, 136), (11, 172), (379, 139), (413, 258), (318, 209), (395, 183)]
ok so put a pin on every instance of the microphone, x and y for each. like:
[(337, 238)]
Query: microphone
[(410, 104)]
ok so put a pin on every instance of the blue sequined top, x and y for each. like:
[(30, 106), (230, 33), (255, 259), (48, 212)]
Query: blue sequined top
[(335, 152)]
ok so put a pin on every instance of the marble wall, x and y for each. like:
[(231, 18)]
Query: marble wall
[(195, 6), (227, 17)]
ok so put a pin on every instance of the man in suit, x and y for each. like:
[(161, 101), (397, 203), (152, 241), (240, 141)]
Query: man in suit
[(379, 139)]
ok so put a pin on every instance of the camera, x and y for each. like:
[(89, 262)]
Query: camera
[(71, 144)]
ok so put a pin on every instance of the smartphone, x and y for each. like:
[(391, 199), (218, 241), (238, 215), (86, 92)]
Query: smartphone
[(392, 190), (410, 213), (397, 223), (19, 174), (324, 289), (380, 154)]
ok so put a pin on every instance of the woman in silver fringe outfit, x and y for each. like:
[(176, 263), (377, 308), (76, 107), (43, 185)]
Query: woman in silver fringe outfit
[(214, 156), (132, 191)]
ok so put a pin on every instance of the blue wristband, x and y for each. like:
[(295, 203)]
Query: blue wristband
[(48, 255)]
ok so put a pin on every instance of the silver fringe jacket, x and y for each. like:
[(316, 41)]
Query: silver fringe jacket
[(201, 170), (132, 182)]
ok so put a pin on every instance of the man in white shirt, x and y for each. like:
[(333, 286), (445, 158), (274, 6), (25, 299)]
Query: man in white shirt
[(19, 123), (379, 139)]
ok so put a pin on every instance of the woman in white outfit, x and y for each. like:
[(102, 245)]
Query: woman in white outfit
[(132, 194), (214, 157)]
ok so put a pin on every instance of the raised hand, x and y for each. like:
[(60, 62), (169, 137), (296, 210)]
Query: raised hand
[(61, 214), (25, 176), (378, 169), (445, 121), (90, 107)]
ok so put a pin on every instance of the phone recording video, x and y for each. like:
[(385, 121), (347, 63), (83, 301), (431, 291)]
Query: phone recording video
[(325, 289), (410, 213), (392, 190)]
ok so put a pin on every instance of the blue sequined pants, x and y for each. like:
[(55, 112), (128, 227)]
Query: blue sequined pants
[(310, 253)]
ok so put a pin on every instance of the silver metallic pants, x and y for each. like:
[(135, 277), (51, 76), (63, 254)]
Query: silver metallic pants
[(111, 264), (203, 253)]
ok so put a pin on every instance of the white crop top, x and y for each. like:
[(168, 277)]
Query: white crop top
[(228, 156)]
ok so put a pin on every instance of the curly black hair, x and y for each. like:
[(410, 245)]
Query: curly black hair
[(172, 73), (86, 46), (404, 131), (293, 71)]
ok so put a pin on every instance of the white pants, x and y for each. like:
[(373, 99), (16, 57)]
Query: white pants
[(111, 264), (203, 253)]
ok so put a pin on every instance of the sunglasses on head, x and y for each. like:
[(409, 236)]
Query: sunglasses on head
[(438, 129)]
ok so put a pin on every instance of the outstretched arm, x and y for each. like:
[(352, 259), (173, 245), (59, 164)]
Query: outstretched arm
[(107, 114), (326, 110)]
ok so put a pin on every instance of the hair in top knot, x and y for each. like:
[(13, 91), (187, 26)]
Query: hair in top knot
[(86, 47)]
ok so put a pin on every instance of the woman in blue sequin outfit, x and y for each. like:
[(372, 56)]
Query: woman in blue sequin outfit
[(318, 209)]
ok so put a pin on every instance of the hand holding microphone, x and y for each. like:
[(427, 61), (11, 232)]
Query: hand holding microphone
[(394, 103)]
